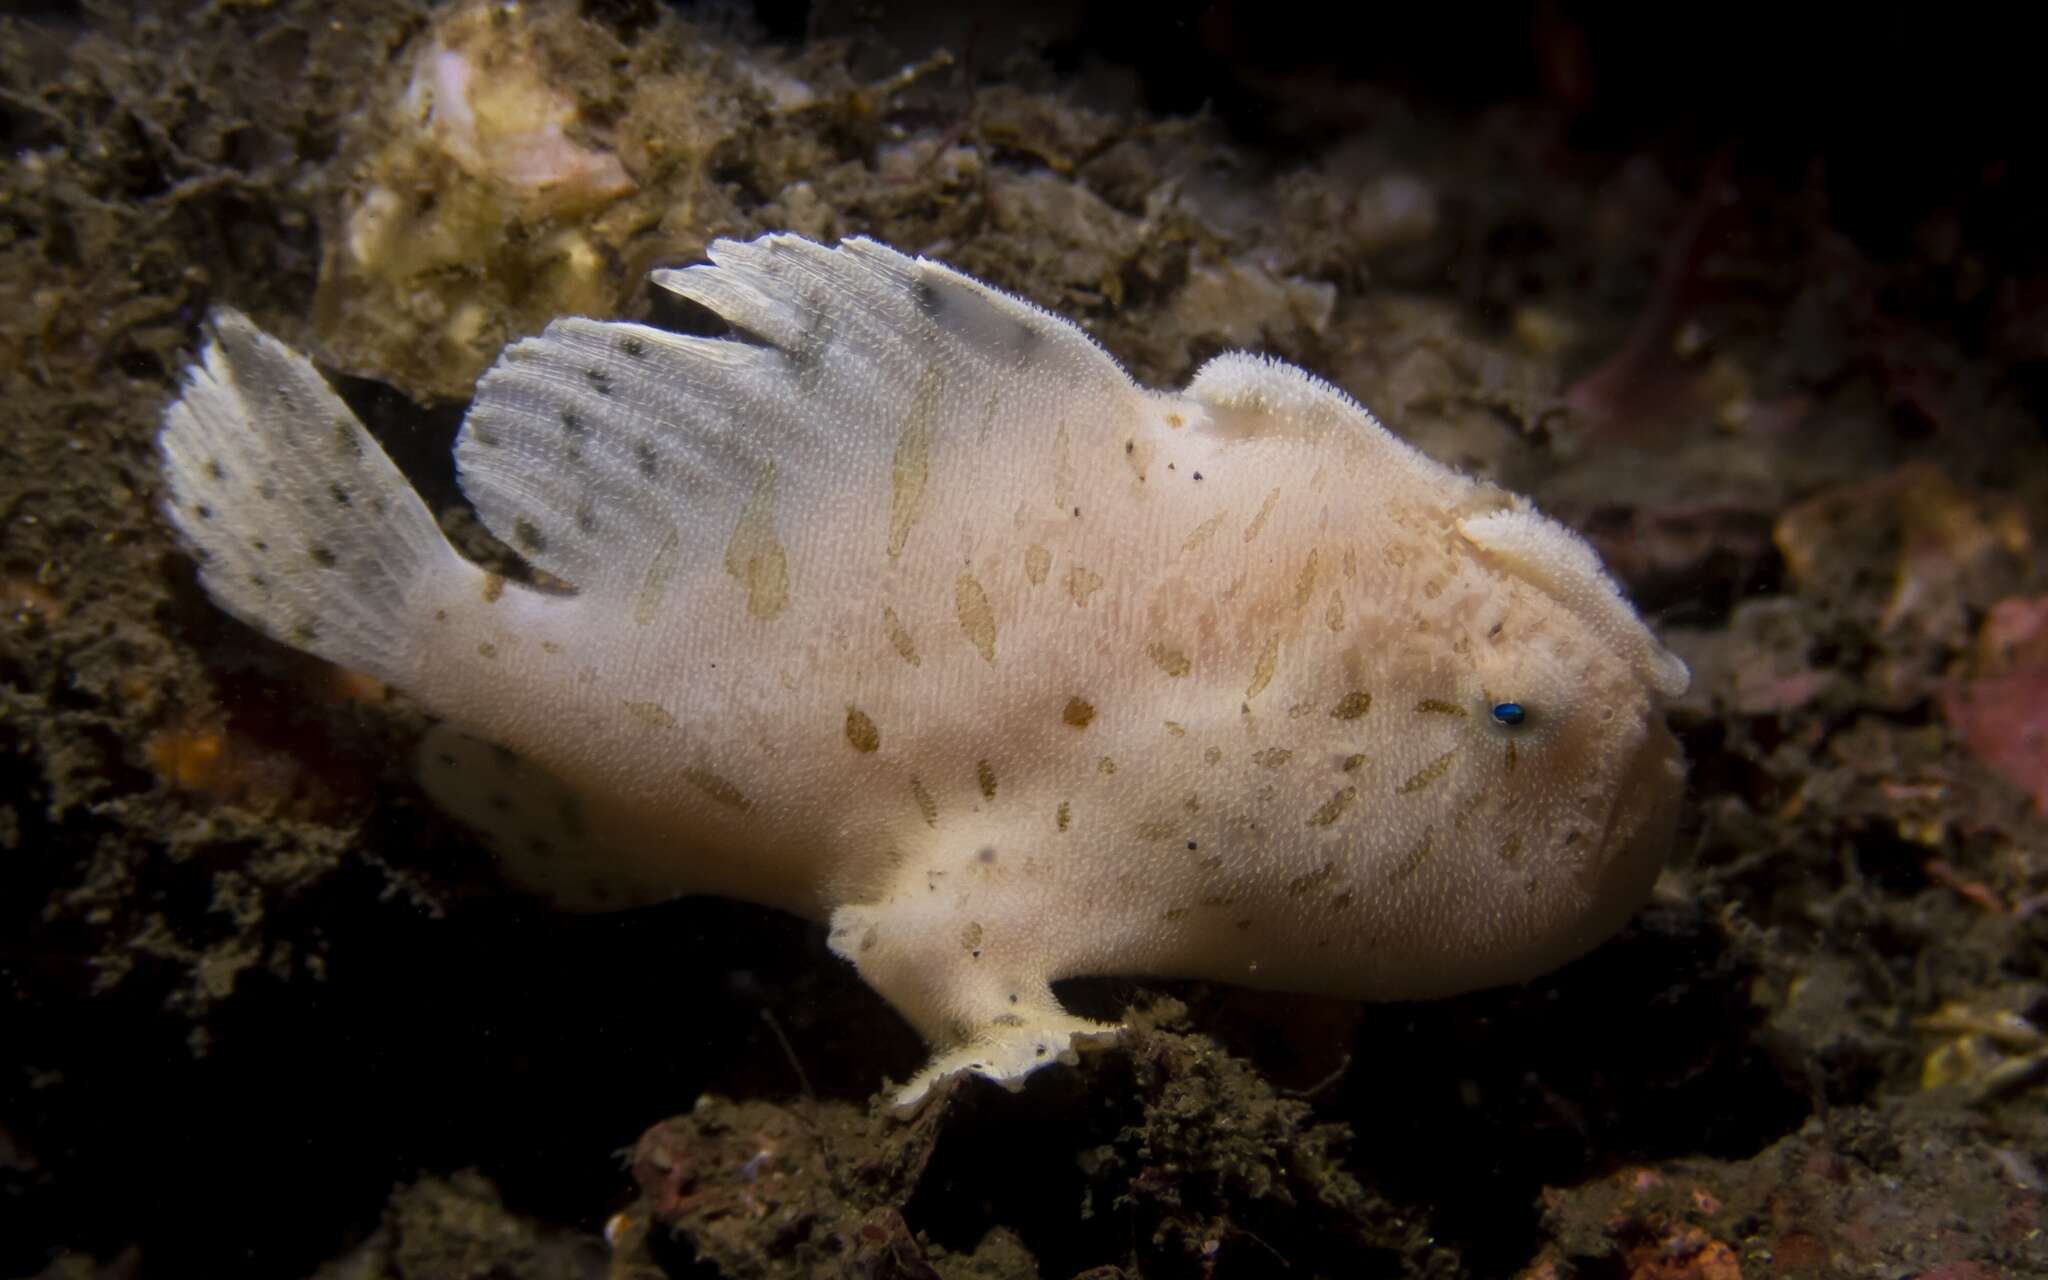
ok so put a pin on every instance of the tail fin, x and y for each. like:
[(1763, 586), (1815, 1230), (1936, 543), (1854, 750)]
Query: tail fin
[(302, 526)]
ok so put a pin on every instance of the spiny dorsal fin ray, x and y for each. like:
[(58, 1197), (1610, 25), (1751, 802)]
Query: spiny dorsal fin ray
[(596, 445)]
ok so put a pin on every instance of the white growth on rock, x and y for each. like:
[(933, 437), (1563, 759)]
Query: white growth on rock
[(904, 609)]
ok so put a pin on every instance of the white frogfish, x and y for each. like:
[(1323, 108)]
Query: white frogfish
[(904, 609)]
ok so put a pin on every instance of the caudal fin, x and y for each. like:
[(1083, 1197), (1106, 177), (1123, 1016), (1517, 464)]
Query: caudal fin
[(302, 526)]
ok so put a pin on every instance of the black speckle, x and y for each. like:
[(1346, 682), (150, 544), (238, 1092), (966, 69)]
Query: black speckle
[(1169, 466), (259, 582), (346, 439), (599, 381), (339, 494), (1198, 475), (572, 424), (1013, 997), (203, 511), (927, 297), (267, 491), (1024, 341), (976, 953), (1130, 447), (633, 347), (987, 854), (1191, 846), (585, 521), (1077, 513), (649, 460), (215, 470), (259, 545), (528, 536), (321, 556), (304, 634)]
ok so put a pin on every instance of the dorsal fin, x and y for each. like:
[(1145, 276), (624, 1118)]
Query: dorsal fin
[(603, 451)]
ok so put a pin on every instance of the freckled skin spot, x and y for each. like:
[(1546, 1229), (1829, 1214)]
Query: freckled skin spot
[(655, 585), (1438, 707), (1105, 766), (1333, 808), (970, 937), (899, 639), (1305, 584), (1303, 883), (1081, 584), (1258, 523), (1353, 763), (487, 650), (1175, 730), (985, 777), (651, 714), (1175, 420), (977, 620), (1079, 713), (1508, 762), (1272, 757), (1170, 659), (1427, 774), (1511, 849), (1352, 705), (754, 555), (1202, 533), (1214, 755), (1062, 467), (1064, 815), (861, 733), (526, 535), (911, 467), (1413, 860), (1262, 671), (1037, 563), (926, 806), (718, 789), (494, 586), (1333, 616)]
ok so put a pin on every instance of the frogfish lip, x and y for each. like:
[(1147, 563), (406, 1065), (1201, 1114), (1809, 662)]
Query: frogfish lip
[(1635, 838)]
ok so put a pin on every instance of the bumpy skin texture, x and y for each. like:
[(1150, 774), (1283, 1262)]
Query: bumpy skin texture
[(906, 610)]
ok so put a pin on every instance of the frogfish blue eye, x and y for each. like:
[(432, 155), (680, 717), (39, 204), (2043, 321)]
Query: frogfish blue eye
[(1509, 713)]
